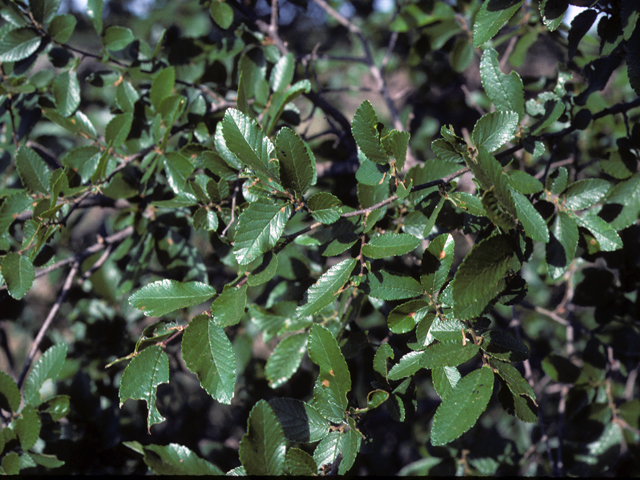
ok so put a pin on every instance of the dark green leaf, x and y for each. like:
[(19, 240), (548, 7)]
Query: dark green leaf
[(383, 353), (325, 352), (57, 407), (46, 368), (406, 366), (162, 86), (228, 308), (370, 173), (491, 17), (478, 279), (48, 461), (19, 44), (461, 408), (66, 92), (405, 317), (389, 286), (436, 263), (208, 353), (27, 427), (503, 346), (9, 393), (259, 229), (561, 250), (396, 143), (495, 129), (94, 12), (174, 459), (118, 129), (585, 193), (523, 182), (448, 354), (297, 164), (126, 96), (445, 380), (363, 128), (560, 369), (61, 27), (627, 195), (116, 37), (505, 91), (461, 54), (33, 172), (262, 448), (166, 296), (546, 108), (18, 273), (142, 376), (178, 168), (325, 208), (326, 289), (553, 13), (299, 462), (390, 244), (285, 359), (534, 225), (445, 151), (44, 10), (300, 421), (265, 271), (607, 238), (221, 13)]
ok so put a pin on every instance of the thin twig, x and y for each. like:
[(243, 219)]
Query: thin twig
[(47, 323)]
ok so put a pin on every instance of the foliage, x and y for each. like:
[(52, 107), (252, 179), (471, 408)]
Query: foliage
[(375, 278)]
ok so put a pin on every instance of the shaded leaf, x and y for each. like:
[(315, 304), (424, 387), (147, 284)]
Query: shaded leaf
[(222, 13), (9, 393), (262, 448), (162, 86), (297, 164), (444, 380), (300, 421), (503, 346), (299, 462)]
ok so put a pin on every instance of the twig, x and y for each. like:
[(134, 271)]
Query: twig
[(234, 197), (47, 323)]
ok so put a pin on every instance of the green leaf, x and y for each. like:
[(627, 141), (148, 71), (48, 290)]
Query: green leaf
[(553, 13), (299, 462), (546, 108), (325, 208), (445, 380), (282, 73), (265, 271), (461, 54), (495, 129), (141, 378), (396, 143), (585, 193), (406, 366), (364, 130), (174, 459), (325, 352), (222, 13), (118, 129), (297, 164), (479, 277), (448, 354), (44, 10), (370, 173), (389, 245), (513, 378), (557, 181), (604, 233), (46, 368), (524, 183), (33, 171), (501, 345), (445, 151), (300, 421), (208, 353), (467, 202), (405, 317), (19, 44), (534, 225), (280, 100), (262, 448), (18, 273), (66, 93), (436, 263), (205, 219), (9, 393), (389, 286), (57, 407), (162, 86), (126, 96), (285, 359), (561, 249), (178, 168), (166, 296), (116, 38), (228, 308), (493, 14), (11, 463), (326, 289), (383, 353), (460, 409), (244, 137), (94, 12), (62, 27), (505, 91), (27, 427), (48, 461), (259, 228), (627, 195)]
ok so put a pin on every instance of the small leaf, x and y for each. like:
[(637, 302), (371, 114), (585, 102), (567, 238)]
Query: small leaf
[(166, 296), (365, 133), (501, 345), (534, 225), (300, 421), (325, 208), (448, 354), (18, 273), (262, 448), (389, 286), (436, 263), (27, 427), (18, 44), (390, 244), (495, 129), (396, 144), (208, 353), (178, 168), (285, 359), (445, 380), (46, 368), (493, 14), (505, 91), (282, 73), (174, 459), (228, 308), (44, 10), (162, 86), (259, 229), (405, 317), (141, 378), (118, 129), (116, 38), (326, 289), (478, 279), (407, 366), (607, 238), (461, 408), (222, 13), (33, 171), (383, 353), (9, 393), (299, 462), (62, 27), (66, 93), (297, 164)]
